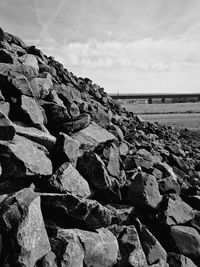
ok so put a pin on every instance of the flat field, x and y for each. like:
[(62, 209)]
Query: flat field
[(179, 115), (169, 108)]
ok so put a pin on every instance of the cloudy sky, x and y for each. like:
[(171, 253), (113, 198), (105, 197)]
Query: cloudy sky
[(130, 46)]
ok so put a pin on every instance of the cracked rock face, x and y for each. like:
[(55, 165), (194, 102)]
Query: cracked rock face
[(84, 182)]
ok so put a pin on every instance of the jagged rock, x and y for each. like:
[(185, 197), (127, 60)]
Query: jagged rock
[(68, 93), (76, 124), (49, 260), (33, 111), (92, 136), (78, 248), (6, 56), (30, 61), (179, 162), (195, 222), (35, 135), (143, 191), (178, 260), (22, 219), (175, 211), (116, 131), (70, 211), (92, 168), (21, 158), (175, 149), (68, 180), (7, 131), (151, 246), (41, 87), (123, 149), (56, 115), (168, 185), (2, 35), (66, 149), (121, 214), (5, 108), (186, 241), (111, 154), (130, 246), (20, 82), (73, 109)]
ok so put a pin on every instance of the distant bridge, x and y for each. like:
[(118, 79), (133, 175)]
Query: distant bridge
[(151, 96)]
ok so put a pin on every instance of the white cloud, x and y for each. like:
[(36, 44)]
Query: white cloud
[(145, 54)]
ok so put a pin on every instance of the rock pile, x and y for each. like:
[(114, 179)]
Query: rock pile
[(83, 181)]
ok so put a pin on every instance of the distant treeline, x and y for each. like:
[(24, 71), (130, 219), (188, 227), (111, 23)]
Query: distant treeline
[(163, 100)]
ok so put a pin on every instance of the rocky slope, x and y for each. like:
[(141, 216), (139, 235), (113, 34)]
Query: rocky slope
[(84, 182)]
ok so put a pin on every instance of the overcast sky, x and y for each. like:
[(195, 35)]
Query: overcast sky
[(130, 46)]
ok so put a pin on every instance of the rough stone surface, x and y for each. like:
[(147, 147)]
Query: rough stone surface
[(143, 191), (68, 180), (21, 213), (21, 158), (92, 136), (178, 260), (7, 131), (186, 240)]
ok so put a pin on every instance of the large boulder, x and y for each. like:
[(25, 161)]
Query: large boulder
[(175, 211), (92, 136), (43, 138), (66, 149), (22, 158), (143, 191), (186, 241), (34, 113), (76, 124), (22, 220), (70, 211), (83, 248), (131, 252), (92, 168), (178, 260), (30, 61), (152, 247), (68, 180), (41, 87)]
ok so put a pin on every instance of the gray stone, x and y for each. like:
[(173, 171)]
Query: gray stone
[(92, 136), (186, 240), (143, 191), (21, 215), (30, 61), (178, 260), (21, 158), (68, 180), (41, 87)]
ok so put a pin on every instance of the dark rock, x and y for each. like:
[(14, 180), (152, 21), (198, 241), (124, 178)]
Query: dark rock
[(92, 168), (69, 211), (2, 35), (68, 180), (6, 56), (194, 202), (76, 248), (43, 138), (130, 247), (21, 158), (121, 214), (66, 149), (186, 241), (56, 115), (143, 191), (175, 211), (151, 246), (169, 185), (21, 215), (34, 113), (178, 260), (92, 136), (116, 131), (76, 124), (7, 130), (41, 87)]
